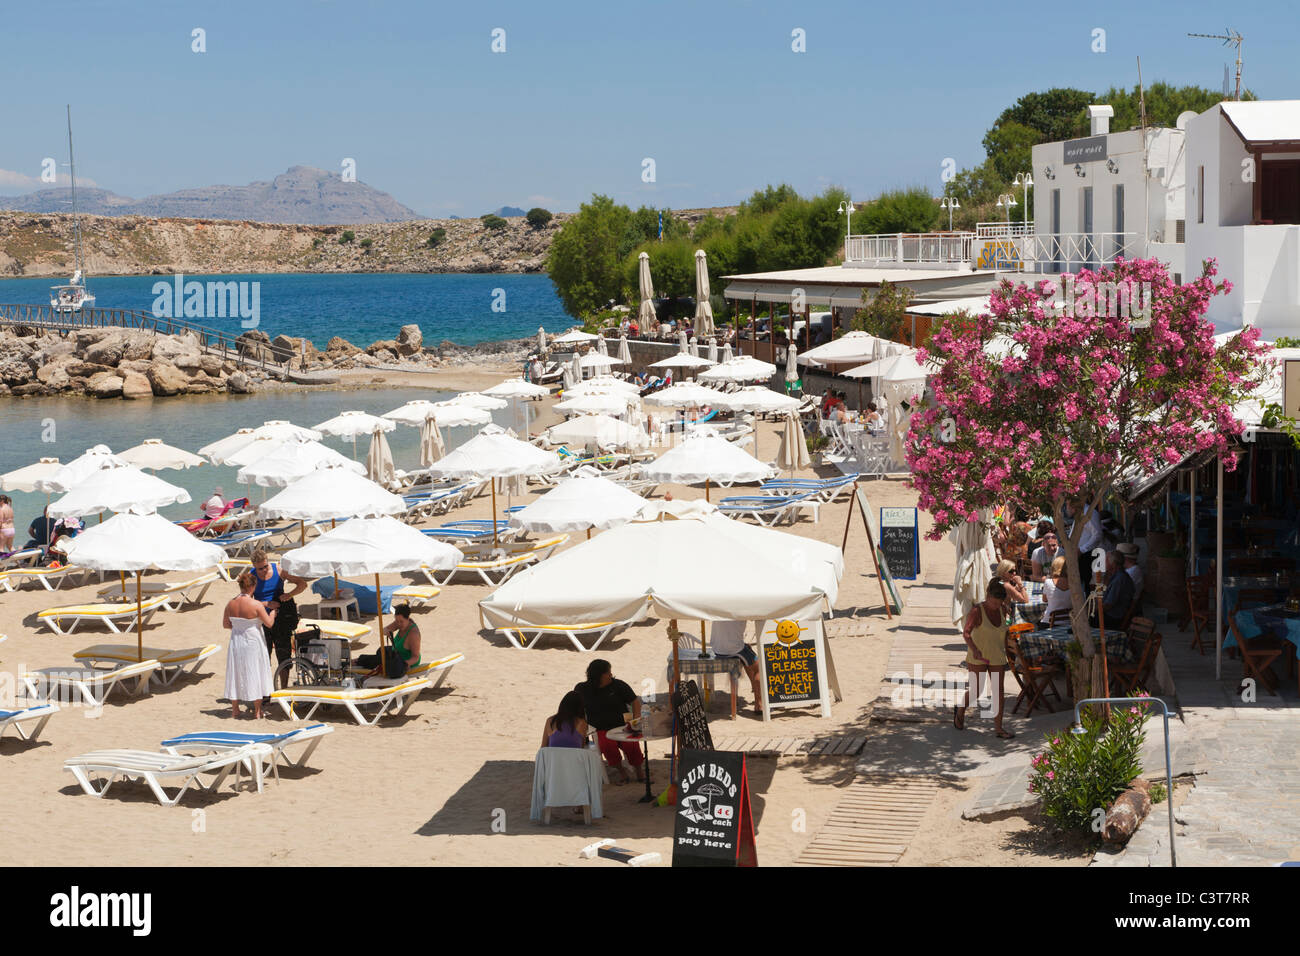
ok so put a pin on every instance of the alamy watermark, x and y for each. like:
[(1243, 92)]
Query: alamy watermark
[(208, 300)]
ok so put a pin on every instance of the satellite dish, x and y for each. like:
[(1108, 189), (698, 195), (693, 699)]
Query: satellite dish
[(1183, 117)]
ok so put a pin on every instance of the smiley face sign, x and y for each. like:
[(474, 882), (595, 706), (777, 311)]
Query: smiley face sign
[(787, 632)]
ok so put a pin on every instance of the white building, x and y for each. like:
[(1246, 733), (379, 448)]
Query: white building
[(1243, 162)]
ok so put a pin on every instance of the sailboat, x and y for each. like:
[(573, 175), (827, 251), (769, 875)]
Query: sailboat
[(74, 296)]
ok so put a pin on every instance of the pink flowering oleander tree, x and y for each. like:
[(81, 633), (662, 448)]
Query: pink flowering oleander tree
[(1075, 399)]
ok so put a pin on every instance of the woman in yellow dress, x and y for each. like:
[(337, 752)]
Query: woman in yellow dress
[(985, 635)]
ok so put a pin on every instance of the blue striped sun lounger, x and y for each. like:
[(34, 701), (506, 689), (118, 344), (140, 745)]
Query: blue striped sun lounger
[(219, 741)]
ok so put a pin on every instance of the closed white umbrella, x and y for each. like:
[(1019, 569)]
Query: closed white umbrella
[(645, 315), (138, 542), (375, 546), (791, 369), (541, 339), (431, 444), (600, 430), (727, 354), (290, 460), (713, 351), (495, 456), (793, 453), (974, 544), (703, 308), (683, 345), (579, 504), (708, 459), (624, 352), (575, 368), (379, 461), (153, 454), (66, 477), (743, 368), (489, 403), (593, 403), (601, 346), (118, 489)]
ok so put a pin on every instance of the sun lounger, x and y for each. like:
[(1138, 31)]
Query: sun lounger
[(827, 489), (525, 637), (769, 510), (435, 672), (222, 741), (495, 566), (88, 684), (175, 594), (241, 542), (396, 699), (111, 614), (172, 664), (48, 578), (160, 770), (41, 713), (417, 594), (16, 559)]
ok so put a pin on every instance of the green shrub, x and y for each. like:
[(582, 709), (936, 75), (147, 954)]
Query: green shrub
[(538, 217), (436, 237), (315, 243), (367, 242), (493, 221), (348, 236), (1080, 773)]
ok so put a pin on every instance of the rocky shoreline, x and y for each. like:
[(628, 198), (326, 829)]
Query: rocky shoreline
[(133, 364)]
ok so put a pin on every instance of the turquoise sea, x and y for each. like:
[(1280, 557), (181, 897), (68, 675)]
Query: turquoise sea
[(363, 308)]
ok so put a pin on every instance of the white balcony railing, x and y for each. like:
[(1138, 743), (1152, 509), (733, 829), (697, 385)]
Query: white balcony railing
[(1004, 246), (910, 249)]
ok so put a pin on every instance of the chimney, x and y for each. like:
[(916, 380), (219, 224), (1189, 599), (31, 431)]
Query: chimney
[(1099, 119)]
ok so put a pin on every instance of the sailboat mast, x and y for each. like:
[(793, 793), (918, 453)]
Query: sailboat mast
[(72, 173)]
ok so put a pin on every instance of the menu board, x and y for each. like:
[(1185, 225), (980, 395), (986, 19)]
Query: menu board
[(692, 723), (713, 824), (895, 599), (791, 672), (900, 541)]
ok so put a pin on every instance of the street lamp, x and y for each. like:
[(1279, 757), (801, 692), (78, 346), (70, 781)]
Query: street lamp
[(846, 209), (1026, 182), (949, 203), (1006, 201)]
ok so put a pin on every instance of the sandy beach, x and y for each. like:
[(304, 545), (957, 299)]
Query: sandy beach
[(450, 782)]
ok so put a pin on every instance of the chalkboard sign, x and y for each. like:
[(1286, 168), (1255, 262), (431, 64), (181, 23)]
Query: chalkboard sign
[(791, 671), (692, 724), (714, 824), (900, 540), (895, 599)]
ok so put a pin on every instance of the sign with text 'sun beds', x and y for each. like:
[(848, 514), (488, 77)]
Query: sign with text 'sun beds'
[(714, 824), (794, 660), (900, 540)]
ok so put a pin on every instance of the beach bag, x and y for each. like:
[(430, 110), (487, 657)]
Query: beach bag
[(394, 666)]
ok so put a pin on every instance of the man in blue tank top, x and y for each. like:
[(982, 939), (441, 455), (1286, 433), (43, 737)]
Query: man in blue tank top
[(270, 590)]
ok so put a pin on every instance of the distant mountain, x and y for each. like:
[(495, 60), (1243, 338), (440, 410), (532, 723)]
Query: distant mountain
[(509, 211), (301, 194)]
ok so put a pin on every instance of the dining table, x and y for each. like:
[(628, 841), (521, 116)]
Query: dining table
[(1276, 619), (1048, 645), (1279, 582), (1031, 610)]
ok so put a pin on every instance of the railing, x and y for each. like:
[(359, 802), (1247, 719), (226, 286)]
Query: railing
[(932, 248), (1071, 251), (1001, 230), (210, 340), (1006, 246)]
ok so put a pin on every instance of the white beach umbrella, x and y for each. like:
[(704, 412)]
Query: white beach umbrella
[(379, 461), (604, 384), (574, 370), (489, 403), (541, 339), (573, 337), (974, 544), (645, 315), (852, 348), (703, 308), (682, 360), (332, 494), (695, 347), (138, 542), (354, 425), (153, 454), (448, 415), (285, 431), (761, 400), (290, 460), (375, 546), (791, 369), (713, 351), (68, 476), (118, 489), (217, 451), (431, 444), (743, 368), (686, 395), (693, 568), (683, 344), (594, 403), (793, 453), (727, 354), (517, 388), (597, 360), (495, 456), (624, 353), (25, 478), (579, 504), (601, 345), (708, 459), (600, 430)]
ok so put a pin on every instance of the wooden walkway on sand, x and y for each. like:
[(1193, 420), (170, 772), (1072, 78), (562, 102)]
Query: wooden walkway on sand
[(874, 822), (840, 745)]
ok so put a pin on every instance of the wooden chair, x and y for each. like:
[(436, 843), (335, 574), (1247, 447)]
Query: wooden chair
[(1199, 589), (1059, 618), (1025, 569), (1035, 680), (1257, 654), (1145, 642)]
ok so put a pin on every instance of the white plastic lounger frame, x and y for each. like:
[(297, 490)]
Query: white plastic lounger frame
[(172, 664), (396, 699), (93, 686), (160, 770), (109, 614), (11, 579), (525, 637), (175, 594), (223, 741), (41, 713)]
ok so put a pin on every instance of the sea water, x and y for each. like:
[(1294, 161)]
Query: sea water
[(362, 308)]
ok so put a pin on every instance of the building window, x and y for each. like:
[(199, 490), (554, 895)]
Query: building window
[(1180, 230), (1279, 186), (1200, 194), (1056, 230), (1120, 248)]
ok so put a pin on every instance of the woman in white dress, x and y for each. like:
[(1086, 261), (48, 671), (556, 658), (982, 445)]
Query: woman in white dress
[(248, 665)]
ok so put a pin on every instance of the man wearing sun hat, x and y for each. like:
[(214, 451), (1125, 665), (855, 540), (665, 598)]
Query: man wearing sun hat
[(215, 506), (1130, 552)]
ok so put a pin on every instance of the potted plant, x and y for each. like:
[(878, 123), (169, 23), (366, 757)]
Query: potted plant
[(816, 444)]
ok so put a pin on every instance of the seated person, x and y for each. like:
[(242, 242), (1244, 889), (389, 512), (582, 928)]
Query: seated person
[(1016, 591), (729, 641), (1045, 555), (404, 653), (872, 417), (215, 506), (605, 699), (40, 532), (1056, 590), (567, 727), (1118, 597)]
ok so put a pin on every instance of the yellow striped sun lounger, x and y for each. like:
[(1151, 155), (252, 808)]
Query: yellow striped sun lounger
[(175, 594), (417, 594), (48, 578), (90, 685), (111, 614), (395, 700), (171, 663), (498, 565)]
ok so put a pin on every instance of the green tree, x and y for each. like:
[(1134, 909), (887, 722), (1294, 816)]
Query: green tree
[(900, 210), (584, 258), (1164, 102), (348, 236), (672, 266), (538, 217), (882, 314), (1052, 114), (493, 222), (1010, 146), (367, 242), (436, 237), (769, 199)]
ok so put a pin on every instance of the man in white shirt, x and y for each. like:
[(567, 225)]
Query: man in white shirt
[(727, 639), (215, 506), (1044, 555)]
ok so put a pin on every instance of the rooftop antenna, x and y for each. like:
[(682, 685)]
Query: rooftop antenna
[(1236, 39)]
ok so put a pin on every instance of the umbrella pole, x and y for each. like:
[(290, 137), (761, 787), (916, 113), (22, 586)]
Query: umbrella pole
[(302, 533), (344, 613), (588, 534), (493, 482), (139, 624), (379, 610), (706, 489)]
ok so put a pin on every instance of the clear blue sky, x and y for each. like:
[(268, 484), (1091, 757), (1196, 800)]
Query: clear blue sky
[(585, 90)]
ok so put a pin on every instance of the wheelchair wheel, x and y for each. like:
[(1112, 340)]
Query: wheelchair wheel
[(297, 672)]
